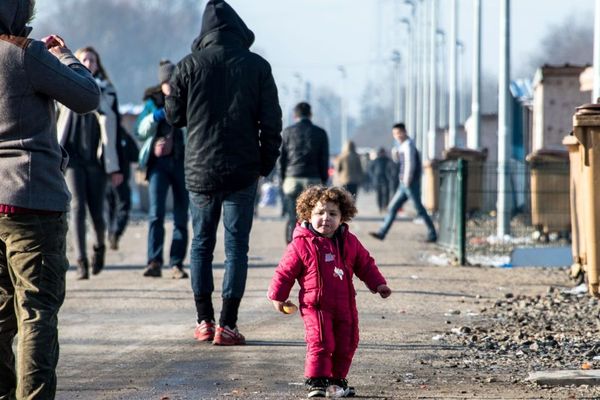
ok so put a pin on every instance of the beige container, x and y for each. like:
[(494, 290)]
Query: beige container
[(577, 196), (431, 194), (475, 174), (586, 128), (550, 202)]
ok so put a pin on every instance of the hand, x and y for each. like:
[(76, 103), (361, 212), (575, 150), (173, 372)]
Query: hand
[(384, 291), (53, 41), (159, 114), (116, 178), (56, 45), (278, 305)]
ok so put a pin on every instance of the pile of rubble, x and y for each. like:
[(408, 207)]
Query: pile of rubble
[(558, 330)]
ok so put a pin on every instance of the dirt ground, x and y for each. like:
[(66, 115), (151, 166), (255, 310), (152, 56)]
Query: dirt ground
[(127, 337)]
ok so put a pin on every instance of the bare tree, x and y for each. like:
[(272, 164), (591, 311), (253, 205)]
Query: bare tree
[(130, 35), (570, 42)]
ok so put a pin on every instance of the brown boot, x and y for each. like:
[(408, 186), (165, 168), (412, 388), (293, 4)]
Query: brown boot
[(83, 269), (154, 269)]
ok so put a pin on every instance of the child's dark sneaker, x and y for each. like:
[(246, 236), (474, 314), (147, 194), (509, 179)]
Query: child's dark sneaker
[(205, 331), (344, 389), (225, 336), (317, 387)]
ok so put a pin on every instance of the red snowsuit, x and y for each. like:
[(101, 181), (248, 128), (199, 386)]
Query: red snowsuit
[(327, 299)]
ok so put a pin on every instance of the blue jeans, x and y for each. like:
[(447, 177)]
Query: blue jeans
[(403, 193), (165, 172), (238, 212)]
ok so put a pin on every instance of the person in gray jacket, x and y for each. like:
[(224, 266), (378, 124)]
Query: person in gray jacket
[(34, 198)]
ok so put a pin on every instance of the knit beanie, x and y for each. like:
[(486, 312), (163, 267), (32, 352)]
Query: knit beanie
[(165, 70)]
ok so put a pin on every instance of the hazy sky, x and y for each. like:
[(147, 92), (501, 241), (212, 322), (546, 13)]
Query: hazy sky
[(306, 40), (312, 37)]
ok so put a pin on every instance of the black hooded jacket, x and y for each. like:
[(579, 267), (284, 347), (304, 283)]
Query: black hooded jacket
[(227, 98)]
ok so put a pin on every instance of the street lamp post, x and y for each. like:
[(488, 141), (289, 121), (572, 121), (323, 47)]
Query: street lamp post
[(596, 89), (431, 139), (443, 93), (504, 122), (397, 61), (474, 138), (409, 84), (452, 78), (343, 108)]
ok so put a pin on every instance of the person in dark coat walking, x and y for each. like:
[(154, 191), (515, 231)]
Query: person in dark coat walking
[(227, 98), (304, 161), (381, 171)]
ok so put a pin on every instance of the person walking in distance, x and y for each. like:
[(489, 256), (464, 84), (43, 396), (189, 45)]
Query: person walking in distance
[(227, 98), (409, 186), (163, 157), (381, 171), (93, 146), (34, 198), (323, 257), (304, 161), (348, 169)]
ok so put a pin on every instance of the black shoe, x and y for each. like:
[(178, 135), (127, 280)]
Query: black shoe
[(376, 235), (83, 270), (348, 391), (431, 239), (98, 260), (113, 242), (154, 269), (317, 387)]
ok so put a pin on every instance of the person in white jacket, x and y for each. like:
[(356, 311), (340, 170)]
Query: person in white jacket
[(91, 141), (409, 187)]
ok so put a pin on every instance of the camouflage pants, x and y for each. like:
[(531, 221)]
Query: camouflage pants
[(33, 264)]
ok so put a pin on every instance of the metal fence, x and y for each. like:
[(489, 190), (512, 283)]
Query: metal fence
[(539, 207)]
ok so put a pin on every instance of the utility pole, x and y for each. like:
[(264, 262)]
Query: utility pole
[(452, 109), (397, 60), (474, 138), (426, 81), (504, 122), (409, 101), (343, 108), (460, 82), (431, 139), (443, 92), (596, 89)]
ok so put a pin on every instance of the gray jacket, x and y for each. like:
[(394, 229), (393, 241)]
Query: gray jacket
[(31, 160)]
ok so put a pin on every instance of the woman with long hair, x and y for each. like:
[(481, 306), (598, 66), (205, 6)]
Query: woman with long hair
[(92, 143)]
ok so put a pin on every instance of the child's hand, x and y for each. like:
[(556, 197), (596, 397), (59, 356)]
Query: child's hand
[(278, 305), (384, 291)]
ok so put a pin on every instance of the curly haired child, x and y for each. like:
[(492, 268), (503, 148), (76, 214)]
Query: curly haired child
[(323, 256)]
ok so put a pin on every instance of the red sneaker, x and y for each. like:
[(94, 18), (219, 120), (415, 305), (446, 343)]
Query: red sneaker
[(205, 331), (228, 337)]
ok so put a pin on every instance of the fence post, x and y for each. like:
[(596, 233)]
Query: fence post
[(461, 209)]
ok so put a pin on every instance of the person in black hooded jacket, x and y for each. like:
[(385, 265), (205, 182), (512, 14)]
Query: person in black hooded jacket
[(226, 97)]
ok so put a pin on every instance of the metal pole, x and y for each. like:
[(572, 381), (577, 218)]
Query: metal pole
[(452, 78), (409, 84), (425, 50), (596, 89), (396, 59), (418, 79), (460, 82), (504, 121), (443, 95), (431, 140), (474, 138), (343, 108)]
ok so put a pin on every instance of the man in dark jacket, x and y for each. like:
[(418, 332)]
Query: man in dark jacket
[(227, 98), (304, 161)]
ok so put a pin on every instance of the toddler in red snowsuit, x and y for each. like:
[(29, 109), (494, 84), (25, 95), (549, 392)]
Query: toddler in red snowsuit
[(323, 256)]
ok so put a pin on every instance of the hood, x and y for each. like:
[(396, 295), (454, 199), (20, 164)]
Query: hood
[(13, 17), (220, 17)]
